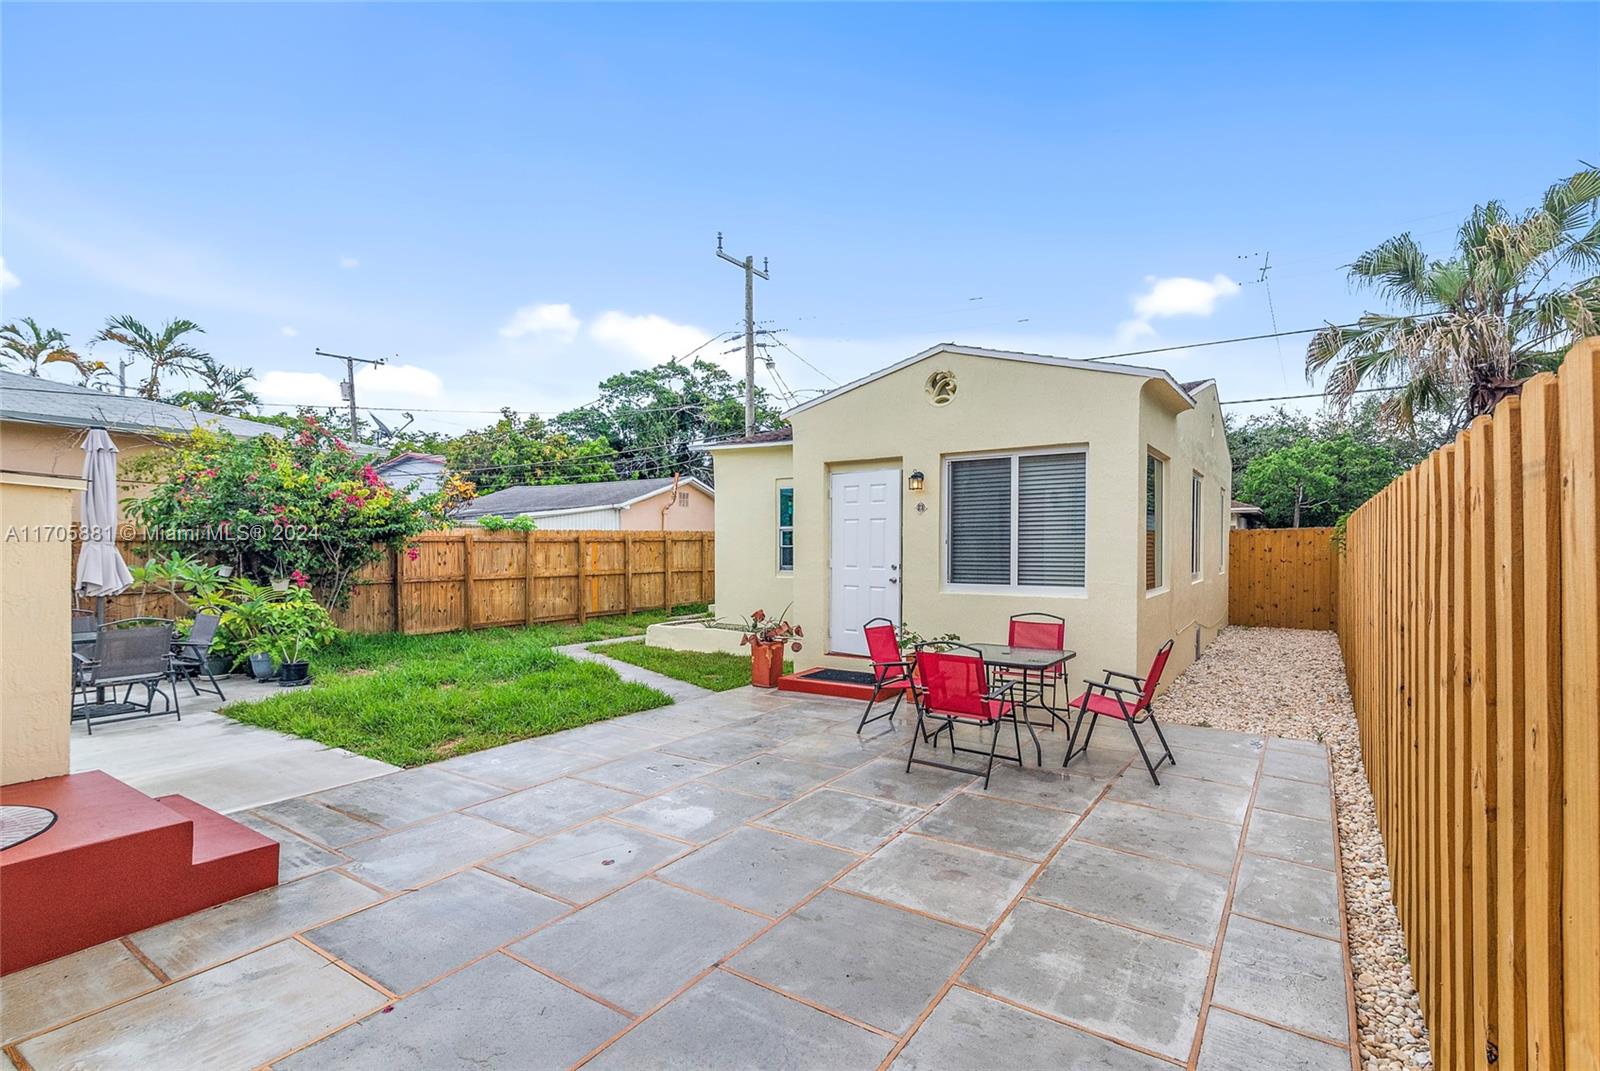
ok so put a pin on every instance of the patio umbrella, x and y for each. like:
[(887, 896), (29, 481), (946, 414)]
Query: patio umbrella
[(101, 570)]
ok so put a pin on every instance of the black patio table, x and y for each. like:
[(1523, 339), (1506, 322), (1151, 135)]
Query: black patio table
[(1030, 662)]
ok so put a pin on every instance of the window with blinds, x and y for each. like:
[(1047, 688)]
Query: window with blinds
[(1154, 491), (1018, 520), (1196, 548)]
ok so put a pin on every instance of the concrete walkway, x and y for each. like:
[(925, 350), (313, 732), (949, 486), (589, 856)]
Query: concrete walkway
[(740, 881), (216, 761), (680, 691)]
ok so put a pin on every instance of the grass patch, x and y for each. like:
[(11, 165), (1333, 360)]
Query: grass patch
[(714, 670), (410, 700)]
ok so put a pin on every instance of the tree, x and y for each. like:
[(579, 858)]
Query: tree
[(650, 417), (24, 342), (1516, 292), (163, 351), (222, 389), (1316, 481), (270, 506), (518, 450)]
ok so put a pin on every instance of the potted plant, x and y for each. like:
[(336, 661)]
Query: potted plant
[(767, 639), (296, 626)]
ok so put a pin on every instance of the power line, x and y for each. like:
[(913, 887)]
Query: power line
[(1218, 342), (1293, 397)]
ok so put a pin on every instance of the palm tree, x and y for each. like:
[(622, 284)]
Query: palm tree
[(165, 350), (223, 389), (90, 373), (34, 346), (1516, 292)]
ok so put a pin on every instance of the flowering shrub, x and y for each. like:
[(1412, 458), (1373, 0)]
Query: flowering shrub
[(303, 508)]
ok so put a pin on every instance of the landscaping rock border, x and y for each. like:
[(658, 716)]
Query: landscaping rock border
[(1291, 683)]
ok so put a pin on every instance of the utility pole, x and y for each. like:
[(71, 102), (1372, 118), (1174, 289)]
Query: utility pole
[(348, 388), (750, 273)]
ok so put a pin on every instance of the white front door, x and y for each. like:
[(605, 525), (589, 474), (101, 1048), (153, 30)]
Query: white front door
[(864, 555)]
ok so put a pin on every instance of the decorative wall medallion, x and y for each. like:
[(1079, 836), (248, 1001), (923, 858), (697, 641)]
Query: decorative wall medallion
[(941, 388)]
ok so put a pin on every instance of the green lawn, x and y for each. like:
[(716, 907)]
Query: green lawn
[(715, 671), (411, 700)]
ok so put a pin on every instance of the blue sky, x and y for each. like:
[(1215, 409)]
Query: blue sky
[(518, 200)]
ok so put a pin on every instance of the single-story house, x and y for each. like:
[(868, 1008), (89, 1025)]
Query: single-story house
[(964, 485), (426, 471), (1247, 516), (662, 504)]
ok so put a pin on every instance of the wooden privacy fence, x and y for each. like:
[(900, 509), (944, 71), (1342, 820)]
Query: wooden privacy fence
[(1282, 578), (466, 578), (1470, 621)]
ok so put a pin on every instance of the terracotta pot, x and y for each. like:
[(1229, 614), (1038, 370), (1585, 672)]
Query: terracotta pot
[(766, 664)]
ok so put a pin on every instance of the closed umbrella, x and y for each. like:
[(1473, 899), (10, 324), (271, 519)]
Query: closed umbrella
[(101, 570)]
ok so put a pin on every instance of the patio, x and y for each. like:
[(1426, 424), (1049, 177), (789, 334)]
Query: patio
[(739, 880)]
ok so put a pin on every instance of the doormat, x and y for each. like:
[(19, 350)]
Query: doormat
[(840, 676)]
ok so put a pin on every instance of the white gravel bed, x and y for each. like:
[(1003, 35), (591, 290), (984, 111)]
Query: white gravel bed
[(1290, 682)]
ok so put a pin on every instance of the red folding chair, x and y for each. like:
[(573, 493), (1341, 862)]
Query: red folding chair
[(1132, 707), (1042, 632), (953, 686), (892, 671)]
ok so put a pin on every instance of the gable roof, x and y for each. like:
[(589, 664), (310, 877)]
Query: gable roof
[(775, 437), (33, 400), (1001, 355), (565, 497), (409, 455)]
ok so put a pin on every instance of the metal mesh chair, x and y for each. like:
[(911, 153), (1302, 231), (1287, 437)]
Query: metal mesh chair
[(1043, 632), (140, 656), (1131, 706), (189, 654), (954, 688), (892, 671)]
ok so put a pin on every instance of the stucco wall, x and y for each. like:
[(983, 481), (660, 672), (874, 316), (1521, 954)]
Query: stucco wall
[(698, 516), (999, 405), (1195, 442), (38, 448), (35, 625), (746, 524)]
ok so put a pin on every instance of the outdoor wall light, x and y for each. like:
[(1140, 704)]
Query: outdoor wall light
[(914, 482)]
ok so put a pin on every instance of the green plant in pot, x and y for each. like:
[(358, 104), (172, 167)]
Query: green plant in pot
[(242, 636), (296, 627), (767, 638)]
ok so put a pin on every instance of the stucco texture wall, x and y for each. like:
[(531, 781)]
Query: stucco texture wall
[(746, 523), (1000, 405), (37, 448), (698, 515), (1195, 442), (35, 625)]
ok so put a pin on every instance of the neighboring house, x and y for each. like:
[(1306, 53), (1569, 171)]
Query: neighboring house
[(964, 485), (427, 471), (1247, 516), (664, 504), (42, 423)]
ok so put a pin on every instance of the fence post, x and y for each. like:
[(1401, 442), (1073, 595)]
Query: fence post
[(528, 578), (468, 593), (627, 571), (583, 578), (705, 558), (399, 561), (666, 572)]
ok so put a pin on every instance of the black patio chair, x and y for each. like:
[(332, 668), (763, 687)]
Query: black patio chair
[(189, 654), (129, 658)]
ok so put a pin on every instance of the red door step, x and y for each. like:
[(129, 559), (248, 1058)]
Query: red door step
[(839, 683), (115, 862)]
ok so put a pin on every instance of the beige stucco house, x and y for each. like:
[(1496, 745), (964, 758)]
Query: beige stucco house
[(658, 504), (964, 485)]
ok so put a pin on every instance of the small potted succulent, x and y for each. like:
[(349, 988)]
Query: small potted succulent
[(767, 639)]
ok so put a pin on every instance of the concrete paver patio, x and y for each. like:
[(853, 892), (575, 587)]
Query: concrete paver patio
[(739, 881)]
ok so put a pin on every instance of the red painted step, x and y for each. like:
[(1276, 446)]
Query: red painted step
[(115, 862), (805, 681)]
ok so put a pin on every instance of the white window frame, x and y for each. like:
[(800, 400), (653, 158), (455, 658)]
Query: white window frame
[(1197, 532), (1222, 530), (1161, 461), (1014, 588), (779, 528)]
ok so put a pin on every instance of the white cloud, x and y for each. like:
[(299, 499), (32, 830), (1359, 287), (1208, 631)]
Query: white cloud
[(654, 338), (288, 332), (1181, 296), (397, 380), (548, 319), (349, 262), (8, 281), (298, 388)]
